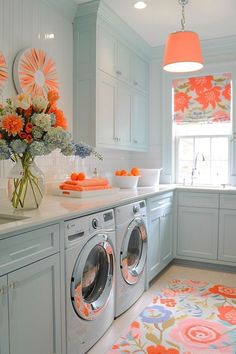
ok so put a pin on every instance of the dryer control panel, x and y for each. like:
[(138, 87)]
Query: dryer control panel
[(78, 228)]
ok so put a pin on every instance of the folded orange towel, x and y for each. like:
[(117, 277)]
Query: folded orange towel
[(69, 187), (89, 182)]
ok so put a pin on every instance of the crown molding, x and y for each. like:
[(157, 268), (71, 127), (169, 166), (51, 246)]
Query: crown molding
[(66, 8)]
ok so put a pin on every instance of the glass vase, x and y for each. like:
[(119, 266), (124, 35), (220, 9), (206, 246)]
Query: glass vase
[(26, 184)]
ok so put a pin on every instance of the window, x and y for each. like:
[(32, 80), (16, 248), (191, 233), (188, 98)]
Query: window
[(202, 126)]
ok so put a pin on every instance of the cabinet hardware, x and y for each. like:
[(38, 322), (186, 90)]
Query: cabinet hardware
[(2, 290), (118, 72), (135, 83), (12, 285), (135, 141)]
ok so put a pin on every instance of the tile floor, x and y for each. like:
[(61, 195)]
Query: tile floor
[(172, 272)]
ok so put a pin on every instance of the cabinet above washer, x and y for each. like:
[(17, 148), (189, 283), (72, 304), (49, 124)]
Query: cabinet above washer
[(111, 66)]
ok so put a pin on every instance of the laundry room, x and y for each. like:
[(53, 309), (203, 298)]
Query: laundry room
[(117, 177)]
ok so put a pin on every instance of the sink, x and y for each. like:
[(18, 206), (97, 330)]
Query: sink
[(5, 218)]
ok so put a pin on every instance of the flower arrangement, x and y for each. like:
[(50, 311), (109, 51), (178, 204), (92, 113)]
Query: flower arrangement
[(33, 126)]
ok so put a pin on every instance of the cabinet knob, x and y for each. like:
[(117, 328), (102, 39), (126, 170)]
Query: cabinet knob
[(135, 83), (135, 141), (2, 290), (118, 72)]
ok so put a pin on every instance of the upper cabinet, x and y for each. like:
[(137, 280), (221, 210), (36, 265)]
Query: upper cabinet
[(111, 95)]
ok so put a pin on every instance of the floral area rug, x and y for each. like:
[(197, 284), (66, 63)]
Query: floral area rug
[(188, 317)]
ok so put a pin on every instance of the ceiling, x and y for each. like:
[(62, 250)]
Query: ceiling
[(209, 18)]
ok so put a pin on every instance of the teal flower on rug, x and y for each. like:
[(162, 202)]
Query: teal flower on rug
[(188, 317)]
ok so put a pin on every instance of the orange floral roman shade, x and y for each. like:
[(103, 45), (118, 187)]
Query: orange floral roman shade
[(203, 99)]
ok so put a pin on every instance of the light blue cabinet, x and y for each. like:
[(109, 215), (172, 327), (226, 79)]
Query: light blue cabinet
[(140, 121), (160, 233), (227, 238), (111, 76), (34, 308), (4, 338)]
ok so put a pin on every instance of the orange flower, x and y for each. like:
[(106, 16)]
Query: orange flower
[(22, 135), (53, 96), (228, 314), (60, 118), (28, 112), (160, 349), (135, 324), (28, 128), (208, 97), (200, 83), (181, 101), (1, 136), (224, 291), (12, 123), (227, 92), (168, 302), (29, 138)]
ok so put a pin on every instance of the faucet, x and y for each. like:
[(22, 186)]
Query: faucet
[(194, 169)]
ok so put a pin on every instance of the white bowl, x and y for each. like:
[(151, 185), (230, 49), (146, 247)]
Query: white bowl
[(149, 177), (126, 182)]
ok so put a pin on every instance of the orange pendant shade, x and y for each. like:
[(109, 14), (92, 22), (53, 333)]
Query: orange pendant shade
[(183, 52)]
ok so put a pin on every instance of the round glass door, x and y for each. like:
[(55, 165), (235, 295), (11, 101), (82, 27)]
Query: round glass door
[(134, 251), (92, 278)]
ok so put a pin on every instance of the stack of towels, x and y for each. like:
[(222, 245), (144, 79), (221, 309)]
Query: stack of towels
[(88, 184)]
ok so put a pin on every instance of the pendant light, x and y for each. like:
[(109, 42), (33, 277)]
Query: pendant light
[(183, 50)]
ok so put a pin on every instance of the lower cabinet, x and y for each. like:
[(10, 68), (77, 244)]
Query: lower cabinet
[(227, 237), (197, 232), (30, 316), (4, 338), (160, 247)]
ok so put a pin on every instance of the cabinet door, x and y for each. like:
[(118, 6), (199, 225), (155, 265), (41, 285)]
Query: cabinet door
[(166, 237), (106, 105), (107, 52), (227, 239), (4, 335), (34, 308), (154, 231), (123, 116), (123, 70), (140, 121), (197, 232), (140, 73)]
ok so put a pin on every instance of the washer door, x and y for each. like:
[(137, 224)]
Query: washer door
[(134, 251), (92, 278)]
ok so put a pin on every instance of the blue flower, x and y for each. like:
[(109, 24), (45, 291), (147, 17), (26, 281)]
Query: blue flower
[(155, 314), (38, 148), (18, 146), (5, 152), (83, 150)]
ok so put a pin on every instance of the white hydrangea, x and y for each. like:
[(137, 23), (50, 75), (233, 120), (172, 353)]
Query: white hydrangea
[(39, 103), (42, 121)]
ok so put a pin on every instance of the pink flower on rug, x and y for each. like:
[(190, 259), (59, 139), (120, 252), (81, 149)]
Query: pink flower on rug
[(202, 336), (196, 283), (228, 314), (224, 291), (160, 349), (168, 302), (135, 330)]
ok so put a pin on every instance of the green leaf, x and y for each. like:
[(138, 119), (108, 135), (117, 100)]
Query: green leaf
[(233, 301), (219, 80), (222, 106), (181, 87), (153, 338), (168, 323)]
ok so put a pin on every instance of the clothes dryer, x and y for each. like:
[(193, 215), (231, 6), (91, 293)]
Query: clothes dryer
[(131, 251), (90, 269)]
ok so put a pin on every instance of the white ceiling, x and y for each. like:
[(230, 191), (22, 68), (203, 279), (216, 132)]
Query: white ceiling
[(209, 18)]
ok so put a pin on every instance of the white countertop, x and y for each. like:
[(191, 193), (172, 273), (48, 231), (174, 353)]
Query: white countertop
[(54, 208)]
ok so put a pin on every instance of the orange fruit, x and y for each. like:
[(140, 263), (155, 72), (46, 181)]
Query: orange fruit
[(74, 176), (118, 173), (123, 173), (81, 176), (135, 171)]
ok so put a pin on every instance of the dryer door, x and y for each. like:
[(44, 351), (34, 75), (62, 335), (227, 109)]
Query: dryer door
[(134, 251), (92, 278)]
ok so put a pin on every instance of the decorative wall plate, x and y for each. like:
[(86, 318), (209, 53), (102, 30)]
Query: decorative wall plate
[(34, 72), (3, 72)]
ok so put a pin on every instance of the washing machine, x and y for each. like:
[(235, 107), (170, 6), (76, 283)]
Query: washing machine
[(131, 254), (90, 273)]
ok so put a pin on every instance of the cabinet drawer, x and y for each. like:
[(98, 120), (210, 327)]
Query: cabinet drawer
[(227, 201), (25, 248), (202, 200), (160, 200)]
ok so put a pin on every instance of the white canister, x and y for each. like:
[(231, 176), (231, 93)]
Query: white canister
[(149, 177)]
